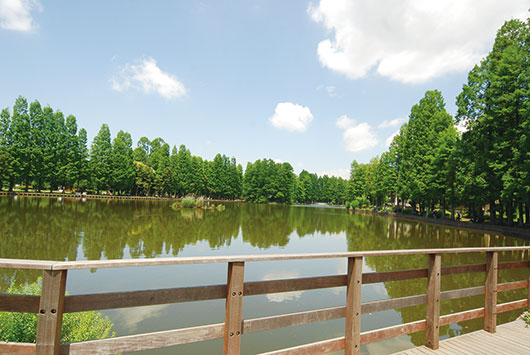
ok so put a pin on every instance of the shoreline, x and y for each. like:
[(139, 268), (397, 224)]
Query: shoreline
[(94, 197), (516, 232)]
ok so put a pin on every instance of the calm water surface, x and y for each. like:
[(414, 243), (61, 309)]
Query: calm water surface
[(70, 229)]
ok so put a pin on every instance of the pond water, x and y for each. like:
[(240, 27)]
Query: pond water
[(72, 229)]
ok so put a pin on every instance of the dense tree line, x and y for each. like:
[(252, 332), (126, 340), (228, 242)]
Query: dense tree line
[(42, 149), (485, 168)]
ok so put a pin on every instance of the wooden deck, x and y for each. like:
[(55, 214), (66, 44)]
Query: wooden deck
[(510, 338)]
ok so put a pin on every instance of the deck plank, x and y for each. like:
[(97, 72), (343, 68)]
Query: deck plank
[(510, 338)]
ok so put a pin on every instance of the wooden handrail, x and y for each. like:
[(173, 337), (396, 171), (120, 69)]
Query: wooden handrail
[(53, 302), (98, 264)]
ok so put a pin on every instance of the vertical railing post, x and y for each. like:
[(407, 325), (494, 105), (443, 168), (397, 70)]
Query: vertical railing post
[(51, 312), (490, 299), (234, 308), (528, 288), (353, 306), (432, 333)]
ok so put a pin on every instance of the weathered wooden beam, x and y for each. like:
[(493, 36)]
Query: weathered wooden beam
[(463, 269), (432, 333), (374, 277), (26, 264), (17, 348), (512, 265), (393, 303), (19, 303), (145, 341), (289, 285), (320, 347), (353, 306), (461, 316), (99, 301), (292, 319), (515, 285), (234, 306), (490, 302), (393, 331), (88, 264), (511, 306), (51, 312)]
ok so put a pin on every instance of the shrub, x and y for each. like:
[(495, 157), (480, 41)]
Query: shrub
[(80, 326), (188, 202), (526, 317)]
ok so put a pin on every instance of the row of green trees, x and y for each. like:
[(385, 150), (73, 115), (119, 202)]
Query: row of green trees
[(486, 168), (41, 148)]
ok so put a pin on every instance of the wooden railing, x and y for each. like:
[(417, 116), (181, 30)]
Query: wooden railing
[(53, 302)]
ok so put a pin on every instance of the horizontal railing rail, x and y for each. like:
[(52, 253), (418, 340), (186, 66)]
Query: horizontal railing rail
[(53, 302)]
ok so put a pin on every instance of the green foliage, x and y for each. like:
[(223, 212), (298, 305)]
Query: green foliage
[(188, 202), (80, 326), (430, 165), (526, 317)]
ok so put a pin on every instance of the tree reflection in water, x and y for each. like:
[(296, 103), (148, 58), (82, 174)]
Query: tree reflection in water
[(72, 229)]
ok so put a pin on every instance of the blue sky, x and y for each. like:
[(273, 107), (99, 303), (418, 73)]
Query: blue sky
[(314, 83)]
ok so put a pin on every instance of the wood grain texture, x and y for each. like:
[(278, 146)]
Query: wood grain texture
[(287, 320), (462, 292), (99, 301), (51, 312), (463, 269), (87, 264), (26, 264), (515, 285), (393, 303), (510, 306), (234, 308), (490, 297), (19, 303), (352, 343), (17, 348), (374, 277), (321, 347), (288, 285), (393, 331), (461, 316), (512, 265), (146, 341), (432, 333)]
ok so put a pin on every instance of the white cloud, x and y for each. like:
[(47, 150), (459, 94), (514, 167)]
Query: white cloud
[(409, 41), (343, 173), (389, 140), (357, 137), (291, 117), (329, 89), (16, 14), (461, 126), (392, 123), (284, 296), (146, 76)]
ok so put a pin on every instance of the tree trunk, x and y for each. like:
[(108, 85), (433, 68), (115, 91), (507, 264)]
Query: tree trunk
[(509, 212), (526, 214), (493, 216), (501, 213), (521, 214)]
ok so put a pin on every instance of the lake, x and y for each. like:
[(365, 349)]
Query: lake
[(72, 229)]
